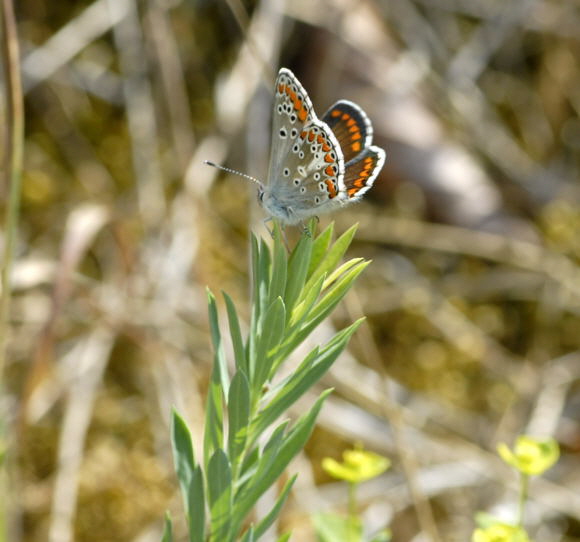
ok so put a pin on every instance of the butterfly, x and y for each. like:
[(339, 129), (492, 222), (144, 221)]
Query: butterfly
[(316, 165)]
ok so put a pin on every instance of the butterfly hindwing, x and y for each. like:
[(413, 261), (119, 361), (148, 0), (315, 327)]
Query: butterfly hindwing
[(362, 171)]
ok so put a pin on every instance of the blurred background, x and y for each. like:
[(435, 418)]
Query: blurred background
[(472, 299)]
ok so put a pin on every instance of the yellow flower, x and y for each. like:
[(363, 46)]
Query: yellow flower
[(358, 465), (500, 532), (530, 455)]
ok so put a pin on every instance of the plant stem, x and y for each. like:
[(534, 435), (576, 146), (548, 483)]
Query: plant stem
[(351, 508), (13, 143), (524, 484), (14, 134)]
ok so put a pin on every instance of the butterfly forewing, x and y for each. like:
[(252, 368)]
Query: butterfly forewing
[(292, 111), (351, 126)]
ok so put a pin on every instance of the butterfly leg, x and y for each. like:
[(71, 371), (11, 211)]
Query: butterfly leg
[(305, 229), (271, 232)]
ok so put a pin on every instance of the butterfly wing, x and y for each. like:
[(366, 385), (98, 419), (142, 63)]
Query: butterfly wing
[(361, 172), (306, 162), (316, 165), (351, 126), (354, 132), (292, 111)]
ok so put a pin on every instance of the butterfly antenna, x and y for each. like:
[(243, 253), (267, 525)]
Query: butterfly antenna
[(233, 171)]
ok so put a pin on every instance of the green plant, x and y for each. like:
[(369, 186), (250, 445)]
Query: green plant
[(530, 456), (358, 465), (246, 448)]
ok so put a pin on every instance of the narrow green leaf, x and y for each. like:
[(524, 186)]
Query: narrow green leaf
[(261, 273), (264, 275), (274, 406), (297, 437), (182, 453), (341, 270), (216, 339), (249, 535), (285, 537), (279, 269), (248, 469), (270, 338), (302, 379), (196, 507), (336, 292), (213, 436), (255, 252), (301, 310), (297, 271), (236, 334), (321, 310), (238, 417), (333, 256), (167, 529), (291, 445), (219, 482), (254, 488), (267, 521), (320, 247)]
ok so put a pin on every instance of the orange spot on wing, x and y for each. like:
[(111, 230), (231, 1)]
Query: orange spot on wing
[(352, 191), (328, 158), (331, 189), (345, 116), (329, 171), (335, 113), (311, 136), (302, 114), (355, 146), (354, 128), (325, 147), (281, 88), (351, 122), (356, 136)]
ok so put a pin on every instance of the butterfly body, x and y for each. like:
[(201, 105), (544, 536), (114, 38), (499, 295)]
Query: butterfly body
[(316, 165)]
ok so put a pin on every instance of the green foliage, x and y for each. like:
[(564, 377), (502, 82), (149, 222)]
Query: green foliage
[(292, 294), (529, 456), (358, 465)]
